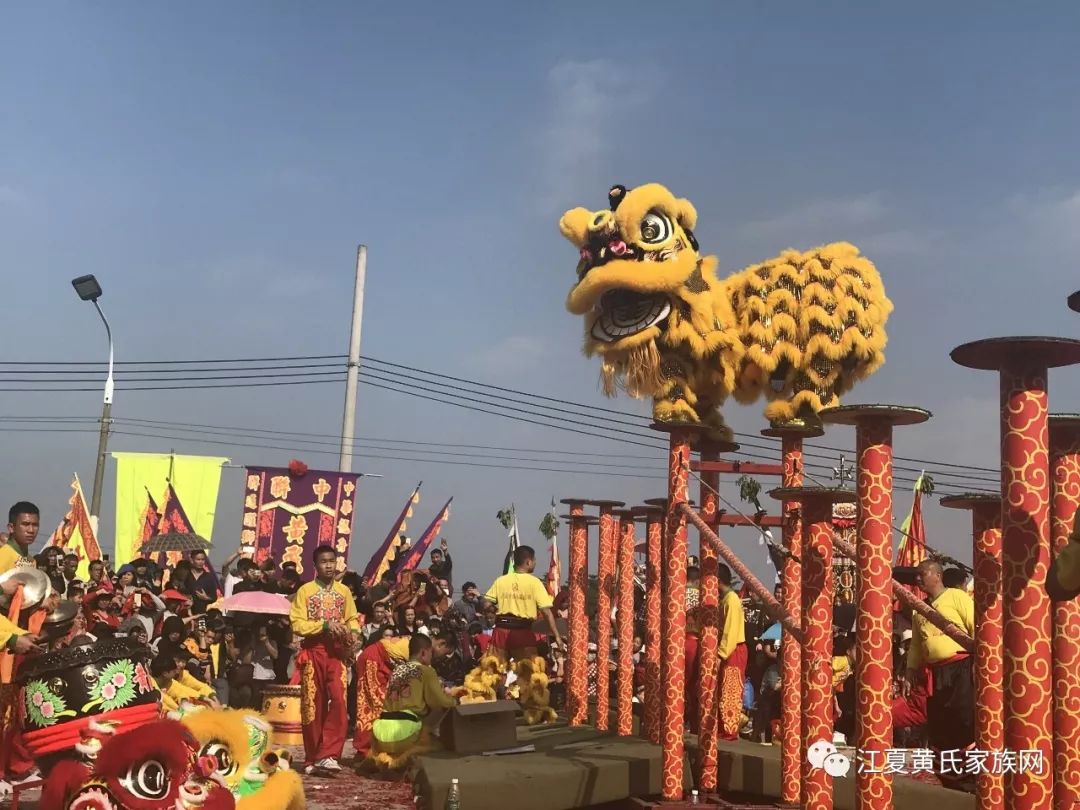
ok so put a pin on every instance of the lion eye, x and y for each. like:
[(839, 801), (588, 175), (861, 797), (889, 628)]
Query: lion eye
[(655, 228), (226, 765), (147, 780)]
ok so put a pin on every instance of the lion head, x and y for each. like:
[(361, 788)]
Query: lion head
[(643, 284)]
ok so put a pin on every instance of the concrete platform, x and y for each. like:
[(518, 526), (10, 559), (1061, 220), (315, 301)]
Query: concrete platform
[(580, 767)]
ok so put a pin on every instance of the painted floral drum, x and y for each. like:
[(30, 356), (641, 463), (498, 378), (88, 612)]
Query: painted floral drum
[(108, 682)]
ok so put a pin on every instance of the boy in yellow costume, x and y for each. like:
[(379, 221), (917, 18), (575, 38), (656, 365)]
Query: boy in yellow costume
[(731, 650), (324, 616), (413, 696)]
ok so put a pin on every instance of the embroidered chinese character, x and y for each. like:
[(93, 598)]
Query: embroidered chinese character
[(321, 489), (346, 507), (297, 529), (253, 482), (280, 485)]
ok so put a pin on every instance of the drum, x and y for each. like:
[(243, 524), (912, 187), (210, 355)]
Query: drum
[(281, 706), (64, 690)]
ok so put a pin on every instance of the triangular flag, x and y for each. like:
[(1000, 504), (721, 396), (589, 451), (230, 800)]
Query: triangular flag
[(416, 555), (553, 580), (380, 560), (75, 534), (151, 517)]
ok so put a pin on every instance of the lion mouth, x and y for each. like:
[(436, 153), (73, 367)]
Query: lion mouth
[(624, 313), (93, 798)]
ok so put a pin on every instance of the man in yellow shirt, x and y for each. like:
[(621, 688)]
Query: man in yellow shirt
[(519, 598), (413, 696), (950, 708), (733, 656), (24, 521), (324, 617)]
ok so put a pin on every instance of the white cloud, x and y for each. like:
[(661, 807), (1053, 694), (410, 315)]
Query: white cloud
[(589, 103), (260, 274), (1053, 216), (822, 215), (510, 354)]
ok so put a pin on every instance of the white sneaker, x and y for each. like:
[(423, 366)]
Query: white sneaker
[(328, 764)]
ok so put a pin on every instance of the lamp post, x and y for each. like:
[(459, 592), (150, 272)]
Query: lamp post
[(1074, 301), (89, 289)]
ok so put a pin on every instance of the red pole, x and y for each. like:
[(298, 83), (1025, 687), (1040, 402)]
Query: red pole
[(673, 626), (624, 706), (605, 573), (817, 611), (654, 533), (708, 702), (1065, 471), (989, 696), (1023, 364), (873, 657), (791, 753), (577, 674)]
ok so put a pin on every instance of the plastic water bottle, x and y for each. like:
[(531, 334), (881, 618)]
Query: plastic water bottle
[(693, 797), (453, 796)]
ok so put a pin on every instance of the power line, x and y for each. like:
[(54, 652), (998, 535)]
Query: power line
[(100, 364), (200, 378), (771, 445)]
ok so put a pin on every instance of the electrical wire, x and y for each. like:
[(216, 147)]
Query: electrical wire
[(385, 383)]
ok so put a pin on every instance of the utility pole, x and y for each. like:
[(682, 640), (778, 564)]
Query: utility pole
[(352, 379)]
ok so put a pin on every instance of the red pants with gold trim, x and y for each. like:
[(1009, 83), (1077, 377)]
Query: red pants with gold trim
[(732, 675), (15, 759), (324, 711), (373, 671)]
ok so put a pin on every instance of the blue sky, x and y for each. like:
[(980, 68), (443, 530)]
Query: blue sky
[(216, 165)]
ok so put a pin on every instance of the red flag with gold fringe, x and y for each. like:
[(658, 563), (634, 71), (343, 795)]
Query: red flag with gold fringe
[(75, 534)]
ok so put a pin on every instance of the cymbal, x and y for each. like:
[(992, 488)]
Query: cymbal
[(65, 612), (36, 585)]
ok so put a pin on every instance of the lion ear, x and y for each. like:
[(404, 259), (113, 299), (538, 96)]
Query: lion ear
[(574, 225), (686, 213)]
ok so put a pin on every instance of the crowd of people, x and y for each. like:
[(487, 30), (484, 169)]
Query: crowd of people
[(405, 621)]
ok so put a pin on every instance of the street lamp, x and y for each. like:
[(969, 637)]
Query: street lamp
[(1074, 301), (89, 289)]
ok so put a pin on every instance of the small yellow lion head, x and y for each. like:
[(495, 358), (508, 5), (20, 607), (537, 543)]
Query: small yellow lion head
[(634, 258)]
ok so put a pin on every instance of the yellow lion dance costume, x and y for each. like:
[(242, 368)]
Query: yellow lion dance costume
[(530, 689), (238, 740), (800, 329)]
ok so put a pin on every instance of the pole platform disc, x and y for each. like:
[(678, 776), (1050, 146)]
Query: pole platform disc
[(994, 354), (796, 427), (970, 500), (881, 414), (588, 520), (604, 504), (830, 494), (1064, 421), (645, 511)]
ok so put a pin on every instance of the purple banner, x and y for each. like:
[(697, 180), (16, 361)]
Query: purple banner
[(287, 516)]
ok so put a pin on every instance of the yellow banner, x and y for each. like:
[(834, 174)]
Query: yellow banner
[(196, 480)]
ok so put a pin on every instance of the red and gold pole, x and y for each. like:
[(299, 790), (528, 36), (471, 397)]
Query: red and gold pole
[(708, 664), (654, 534), (873, 658), (1023, 364), (1065, 474), (605, 579), (673, 627), (791, 436), (989, 695), (577, 669), (817, 612), (624, 705)]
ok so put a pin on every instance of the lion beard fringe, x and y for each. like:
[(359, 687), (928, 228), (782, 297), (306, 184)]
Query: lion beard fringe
[(637, 373)]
